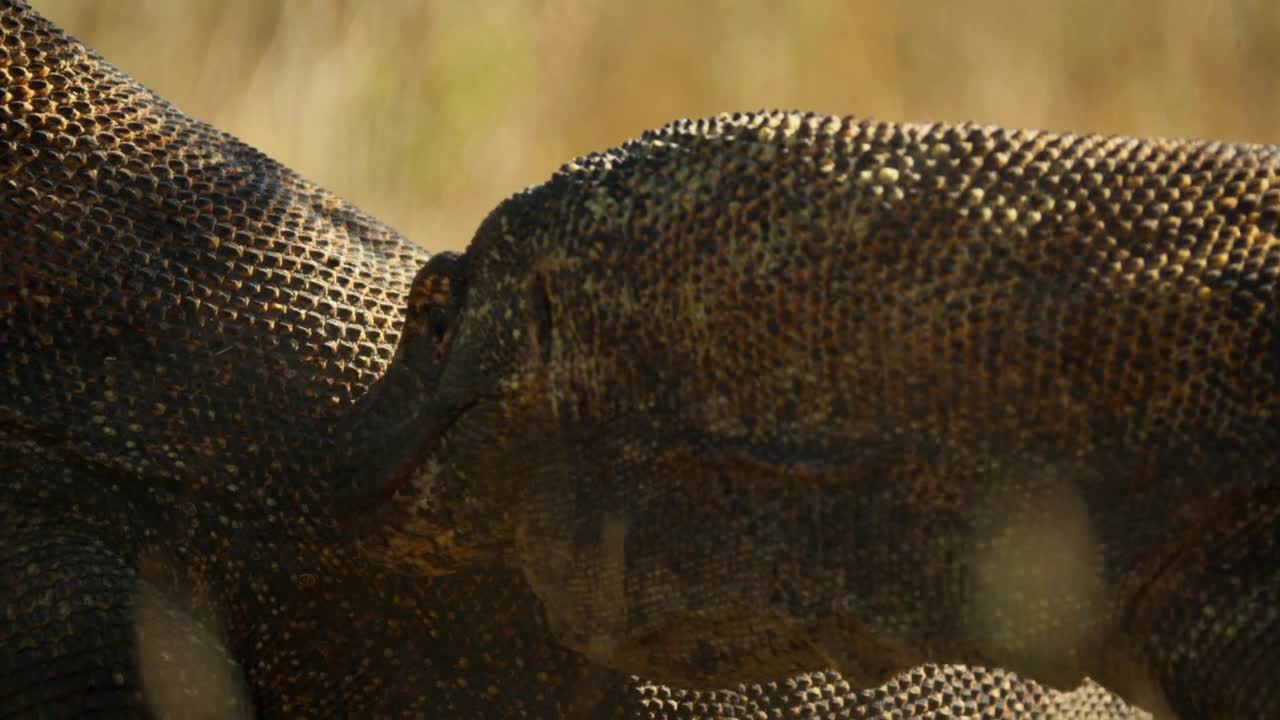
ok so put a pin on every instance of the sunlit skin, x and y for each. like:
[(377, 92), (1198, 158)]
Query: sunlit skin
[(428, 114)]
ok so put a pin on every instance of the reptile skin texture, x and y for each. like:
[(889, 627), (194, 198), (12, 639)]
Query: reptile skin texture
[(768, 391), (200, 351)]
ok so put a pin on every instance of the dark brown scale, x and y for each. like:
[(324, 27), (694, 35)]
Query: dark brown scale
[(188, 336), (972, 328)]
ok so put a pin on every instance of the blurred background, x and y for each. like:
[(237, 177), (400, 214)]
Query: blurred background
[(427, 114)]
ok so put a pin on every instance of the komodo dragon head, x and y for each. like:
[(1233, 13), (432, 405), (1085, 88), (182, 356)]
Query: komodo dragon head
[(590, 421), (737, 399)]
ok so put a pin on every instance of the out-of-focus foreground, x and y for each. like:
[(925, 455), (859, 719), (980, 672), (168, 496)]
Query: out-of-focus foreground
[(427, 114)]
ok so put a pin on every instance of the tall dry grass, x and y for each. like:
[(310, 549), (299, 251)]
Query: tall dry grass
[(427, 114)]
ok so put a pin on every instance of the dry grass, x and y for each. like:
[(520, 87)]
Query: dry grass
[(429, 113)]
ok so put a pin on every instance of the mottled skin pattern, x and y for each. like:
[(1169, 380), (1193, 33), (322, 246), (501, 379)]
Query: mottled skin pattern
[(187, 334), (762, 392)]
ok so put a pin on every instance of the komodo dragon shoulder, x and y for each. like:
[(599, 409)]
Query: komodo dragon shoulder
[(189, 333)]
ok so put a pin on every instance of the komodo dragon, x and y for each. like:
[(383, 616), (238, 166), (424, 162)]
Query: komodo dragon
[(188, 337), (761, 392)]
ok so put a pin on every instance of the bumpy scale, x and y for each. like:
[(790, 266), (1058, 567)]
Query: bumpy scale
[(188, 333), (766, 391)]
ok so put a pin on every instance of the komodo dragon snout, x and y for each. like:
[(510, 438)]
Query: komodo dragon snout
[(748, 397)]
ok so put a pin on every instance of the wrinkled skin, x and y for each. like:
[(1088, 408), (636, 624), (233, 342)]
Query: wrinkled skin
[(760, 394), (192, 340)]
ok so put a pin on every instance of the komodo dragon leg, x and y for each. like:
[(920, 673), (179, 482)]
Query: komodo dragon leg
[(764, 392), (94, 623), (111, 641), (81, 592)]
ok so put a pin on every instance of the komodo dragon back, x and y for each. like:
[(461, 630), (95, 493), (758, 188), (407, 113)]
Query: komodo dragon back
[(188, 332), (191, 294)]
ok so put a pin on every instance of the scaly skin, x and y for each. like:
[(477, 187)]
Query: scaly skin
[(187, 334), (763, 392)]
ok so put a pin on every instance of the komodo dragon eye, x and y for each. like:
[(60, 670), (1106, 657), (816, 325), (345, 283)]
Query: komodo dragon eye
[(432, 314), (438, 321)]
